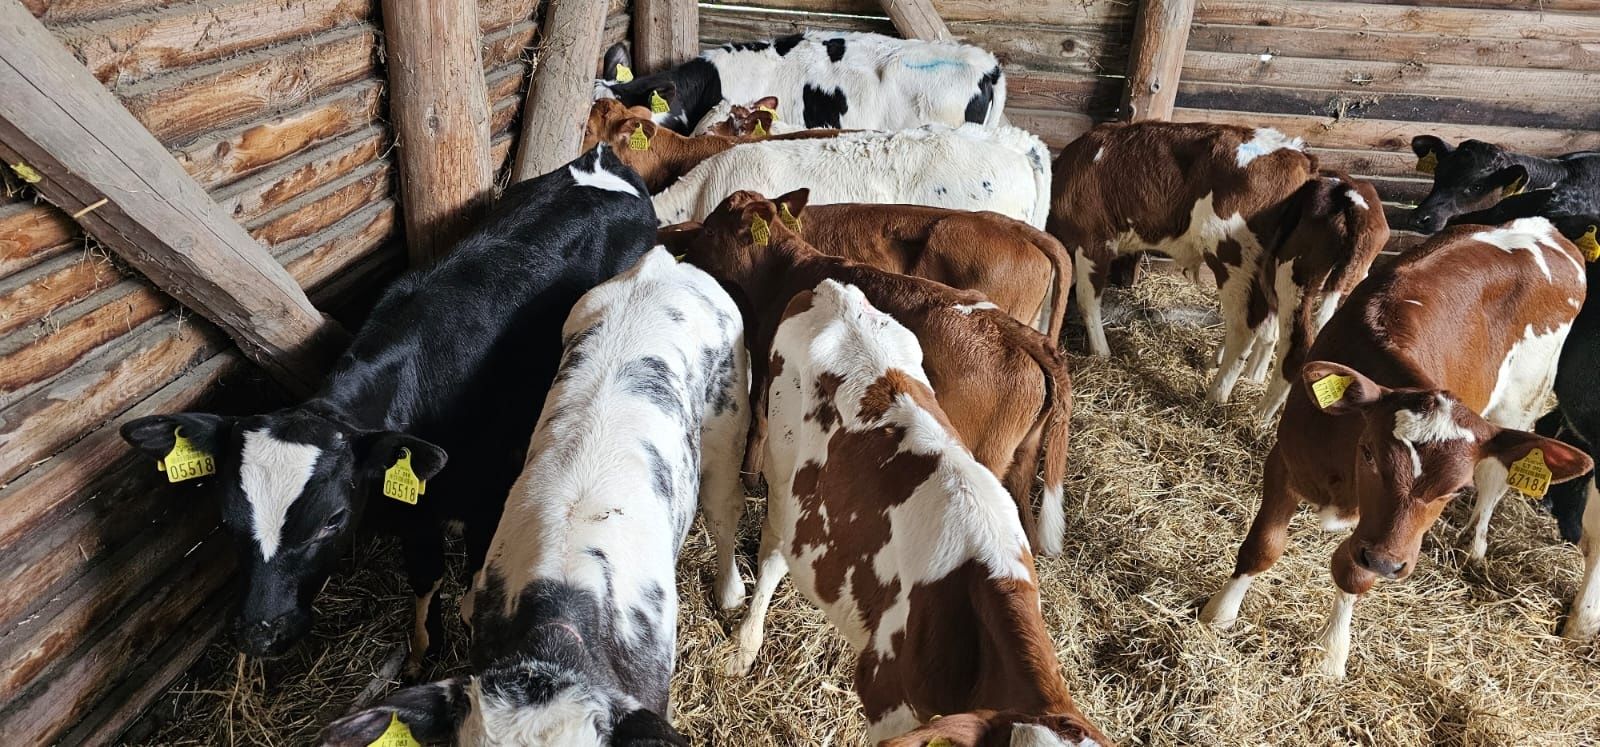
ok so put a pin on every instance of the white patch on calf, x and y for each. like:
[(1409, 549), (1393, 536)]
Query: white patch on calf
[(567, 718), (272, 474), (1525, 378), (1533, 235), (969, 308), (1034, 735), (1330, 305), (1413, 302), (1435, 426), (1356, 198), (1266, 140), (1331, 521), (1098, 154), (893, 723), (599, 178)]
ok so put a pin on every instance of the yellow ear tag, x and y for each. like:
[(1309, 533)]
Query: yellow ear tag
[(788, 218), (658, 104), (1529, 475), (27, 173), (638, 140), (760, 232), (624, 74), (1329, 389), (1515, 188), (941, 742), (1428, 163), (1590, 245), (759, 131), (397, 735), (185, 461), (769, 110), (400, 482)]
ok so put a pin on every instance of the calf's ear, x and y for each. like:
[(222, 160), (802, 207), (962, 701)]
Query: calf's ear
[(1564, 462), (1422, 145), (378, 451), (643, 727), (795, 201), (1339, 389), (616, 55), (1510, 180), (155, 434), (430, 713), (766, 102)]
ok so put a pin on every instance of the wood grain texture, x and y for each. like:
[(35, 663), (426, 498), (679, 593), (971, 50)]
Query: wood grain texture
[(223, 157), (27, 297), (1413, 107), (324, 256), (917, 19), (1474, 23), (1577, 89), (1358, 133), (666, 33), (29, 361), (1090, 13), (1160, 36), (32, 233), (562, 87), (322, 207), (1372, 46)]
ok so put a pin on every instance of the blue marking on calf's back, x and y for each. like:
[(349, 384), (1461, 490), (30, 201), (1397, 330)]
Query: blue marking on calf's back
[(932, 64)]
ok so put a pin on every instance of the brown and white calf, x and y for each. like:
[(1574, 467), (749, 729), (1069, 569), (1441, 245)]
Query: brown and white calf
[(1019, 268), (1470, 322), (1004, 386), (1198, 193), (910, 546), (1330, 234)]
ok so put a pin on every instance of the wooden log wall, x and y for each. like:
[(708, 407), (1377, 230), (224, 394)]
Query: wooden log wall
[(109, 578), (1357, 79)]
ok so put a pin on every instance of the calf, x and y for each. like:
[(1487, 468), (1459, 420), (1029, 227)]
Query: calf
[(428, 374), (906, 542), (740, 121), (1019, 268), (1004, 385), (1195, 192), (1331, 232), (827, 79), (574, 617), (1484, 183), (1386, 428), (1002, 169)]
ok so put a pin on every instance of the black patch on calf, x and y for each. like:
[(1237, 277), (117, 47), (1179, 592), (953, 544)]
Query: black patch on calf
[(675, 315), (785, 43), (718, 367), (823, 109), (660, 471), (755, 46), (978, 107), (651, 378), (835, 49)]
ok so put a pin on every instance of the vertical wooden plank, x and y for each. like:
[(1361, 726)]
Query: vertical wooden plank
[(440, 107), (917, 19), (665, 33), (562, 88), (1160, 34)]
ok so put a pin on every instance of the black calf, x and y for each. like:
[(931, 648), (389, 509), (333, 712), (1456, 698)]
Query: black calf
[(1480, 182), (1577, 380)]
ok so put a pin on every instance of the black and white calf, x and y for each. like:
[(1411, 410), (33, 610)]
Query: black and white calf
[(430, 372), (826, 79), (574, 616), (1484, 183)]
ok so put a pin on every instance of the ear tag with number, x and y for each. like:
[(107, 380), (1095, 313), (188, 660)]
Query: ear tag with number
[(1329, 389), (1529, 475), (941, 742), (397, 735), (638, 140), (1428, 163), (400, 482), (185, 461), (1515, 188), (759, 131), (769, 110), (658, 104), (760, 231), (624, 74), (1589, 244), (788, 218)]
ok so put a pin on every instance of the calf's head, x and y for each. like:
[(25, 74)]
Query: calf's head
[(1002, 729), (1472, 176), (526, 703), (743, 121), (1418, 449), (293, 485), (735, 238)]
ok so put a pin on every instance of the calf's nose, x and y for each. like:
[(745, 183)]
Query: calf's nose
[(1381, 564)]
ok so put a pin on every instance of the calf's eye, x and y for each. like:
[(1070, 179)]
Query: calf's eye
[(336, 520), (1366, 453)]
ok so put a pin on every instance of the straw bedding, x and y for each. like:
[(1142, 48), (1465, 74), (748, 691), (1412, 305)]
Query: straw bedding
[(1162, 488)]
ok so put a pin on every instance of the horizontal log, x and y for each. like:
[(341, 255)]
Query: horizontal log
[(1358, 133), (32, 233), (319, 258), (1237, 96), (132, 47), (506, 81), (43, 422), (185, 104), (351, 290), (1577, 90), (617, 29), (1054, 128), (84, 10), (275, 187), (1580, 6), (221, 158), (1017, 11), (507, 44), (1401, 190), (28, 296), (1366, 163), (494, 15), (503, 113), (1473, 23), (1423, 49), (324, 206), (29, 361)]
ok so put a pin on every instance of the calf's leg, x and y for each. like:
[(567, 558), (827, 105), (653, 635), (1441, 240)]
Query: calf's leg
[(423, 552), (771, 567), (1089, 302), (722, 496), (1489, 477), (1584, 621), (1262, 546), (1350, 582), (1237, 336)]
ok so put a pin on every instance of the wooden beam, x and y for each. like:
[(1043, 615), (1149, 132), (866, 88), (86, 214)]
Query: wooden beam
[(440, 108), (917, 19), (96, 161), (563, 87), (1160, 34), (665, 33)]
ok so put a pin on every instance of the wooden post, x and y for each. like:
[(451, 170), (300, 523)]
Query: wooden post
[(91, 158), (917, 19), (440, 107), (1160, 35), (665, 33), (563, 87)]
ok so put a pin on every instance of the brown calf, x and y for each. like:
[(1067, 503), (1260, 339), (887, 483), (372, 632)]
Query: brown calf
[(1004, 386), (1386, 428), (1019, 268), (908, 544), (1199, 193)]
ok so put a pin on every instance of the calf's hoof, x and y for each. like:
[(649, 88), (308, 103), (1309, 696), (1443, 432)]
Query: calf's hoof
[(1580, 630), (730, 593)]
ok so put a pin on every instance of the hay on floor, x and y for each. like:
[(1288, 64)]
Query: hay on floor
[(1162, 488)]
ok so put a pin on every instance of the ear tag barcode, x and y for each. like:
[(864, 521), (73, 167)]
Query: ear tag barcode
[(760, 231), (400, 482), (1329, 389), (1529, 475), (658, 104), (397, 735)]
